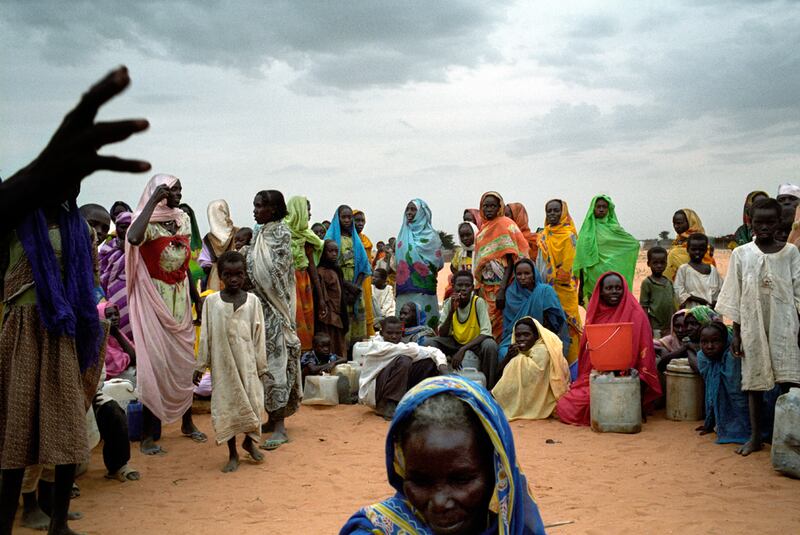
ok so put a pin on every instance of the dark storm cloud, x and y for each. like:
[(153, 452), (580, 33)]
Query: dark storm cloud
[(736, 65), (345, 45)]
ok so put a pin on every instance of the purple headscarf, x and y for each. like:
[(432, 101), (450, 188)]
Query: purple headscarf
[(65, 301)]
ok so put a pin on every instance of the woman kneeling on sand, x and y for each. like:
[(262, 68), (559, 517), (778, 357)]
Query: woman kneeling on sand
[(451, 459)]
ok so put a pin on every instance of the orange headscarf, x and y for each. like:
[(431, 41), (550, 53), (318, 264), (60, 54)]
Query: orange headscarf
[(520, 216), (497, 238)]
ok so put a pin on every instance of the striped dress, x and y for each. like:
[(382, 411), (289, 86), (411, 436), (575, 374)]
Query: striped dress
[(113, 281)]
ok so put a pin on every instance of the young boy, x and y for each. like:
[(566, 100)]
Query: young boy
[(697, 283), (391, 368), (657, 295), (99, 219), (320, 359), (465, 326), (382, 296), (233, 347), (761, 295)]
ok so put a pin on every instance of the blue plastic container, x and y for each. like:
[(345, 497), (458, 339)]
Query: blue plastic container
[(134, 412)]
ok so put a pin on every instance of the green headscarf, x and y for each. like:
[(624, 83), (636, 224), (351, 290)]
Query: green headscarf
[(297, 221), (603, 245), (196, 244)]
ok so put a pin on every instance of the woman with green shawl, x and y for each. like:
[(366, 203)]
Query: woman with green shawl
[(603, 245), (196, 247), (306, 249)]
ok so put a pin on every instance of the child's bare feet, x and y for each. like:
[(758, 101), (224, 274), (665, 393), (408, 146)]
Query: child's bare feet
[(35, 518), (250, 447), (232, 466), (749, 447)]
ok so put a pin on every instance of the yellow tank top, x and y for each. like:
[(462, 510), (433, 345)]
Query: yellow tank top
[(470, 329)]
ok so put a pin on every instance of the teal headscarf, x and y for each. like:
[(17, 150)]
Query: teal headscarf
[(517, 513), (359, 253), (419, 253)]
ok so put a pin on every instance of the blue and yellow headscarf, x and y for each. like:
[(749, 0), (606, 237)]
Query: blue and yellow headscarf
[(516, 511), (362, 264)]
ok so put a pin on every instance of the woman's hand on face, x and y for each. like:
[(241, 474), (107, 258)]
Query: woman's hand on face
[(161, 193), (513, 351)]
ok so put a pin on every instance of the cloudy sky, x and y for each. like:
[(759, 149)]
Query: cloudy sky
[(662, 105)]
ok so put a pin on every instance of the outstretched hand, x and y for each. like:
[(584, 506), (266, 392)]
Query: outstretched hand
[(71, 154)]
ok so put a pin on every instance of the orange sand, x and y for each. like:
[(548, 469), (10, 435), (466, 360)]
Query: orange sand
[(663, 480)]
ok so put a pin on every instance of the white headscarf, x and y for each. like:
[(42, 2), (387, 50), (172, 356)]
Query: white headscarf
[(789, 189), (219, 220)]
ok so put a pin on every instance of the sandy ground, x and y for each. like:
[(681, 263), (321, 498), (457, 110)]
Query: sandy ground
[(663, 480)]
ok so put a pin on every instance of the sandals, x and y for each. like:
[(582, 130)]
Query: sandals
[(126, 473), (197, 436), (273, 443)]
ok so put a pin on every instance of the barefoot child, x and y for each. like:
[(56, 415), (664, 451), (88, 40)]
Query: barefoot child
[(232, 345), (697, 283), (331, 311), (761, 295), (726, 404), (657, 295)]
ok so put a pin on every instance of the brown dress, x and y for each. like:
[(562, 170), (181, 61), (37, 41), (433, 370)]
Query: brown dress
[(42, 401), (333, 324)]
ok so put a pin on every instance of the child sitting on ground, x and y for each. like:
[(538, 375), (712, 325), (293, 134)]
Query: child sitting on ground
[(120, 353), (391, 368), (657, 295), (761, 295), (233, 347), (415, 328), (320, 359), (382, 297), (697, 283)]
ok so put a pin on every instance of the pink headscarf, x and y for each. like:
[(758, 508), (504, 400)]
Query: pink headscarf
[(165, 346)]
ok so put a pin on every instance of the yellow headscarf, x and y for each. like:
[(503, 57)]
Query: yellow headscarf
[(678, 255)]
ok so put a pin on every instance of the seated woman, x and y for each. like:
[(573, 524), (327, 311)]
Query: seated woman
[(534, 375), (120, 353), (451, 459), (528, 295), (612, 302), (415, 328)]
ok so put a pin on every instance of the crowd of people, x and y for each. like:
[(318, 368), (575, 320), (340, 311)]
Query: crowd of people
[(139, 293)]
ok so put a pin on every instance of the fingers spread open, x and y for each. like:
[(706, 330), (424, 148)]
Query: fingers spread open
[(113, 163), (112, 132), (101, 92)]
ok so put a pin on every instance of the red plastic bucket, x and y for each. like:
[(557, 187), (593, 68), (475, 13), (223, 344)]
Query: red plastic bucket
[(610, 345)]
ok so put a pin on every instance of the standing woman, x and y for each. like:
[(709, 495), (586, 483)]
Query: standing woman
[(306, 251), (50, 335), (160, 292), (359, 221), (270, 268), (557, 244), (216, 242), (112, 271), (354, 263), (744, 234), (519, 215), (196, 247), (603, 245), (685, 222), (498, 246), (419, 259)]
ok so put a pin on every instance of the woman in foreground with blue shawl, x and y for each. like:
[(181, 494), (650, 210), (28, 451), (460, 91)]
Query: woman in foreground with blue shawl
[(419, 259), (355, 266), (449, 435), (530, 296)]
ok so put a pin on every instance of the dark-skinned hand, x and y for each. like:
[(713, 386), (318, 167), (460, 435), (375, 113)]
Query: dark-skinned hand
[(71, 155), (196, 377), (457, 359)]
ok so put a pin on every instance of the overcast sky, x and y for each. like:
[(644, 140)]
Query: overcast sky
[(662, 105)]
